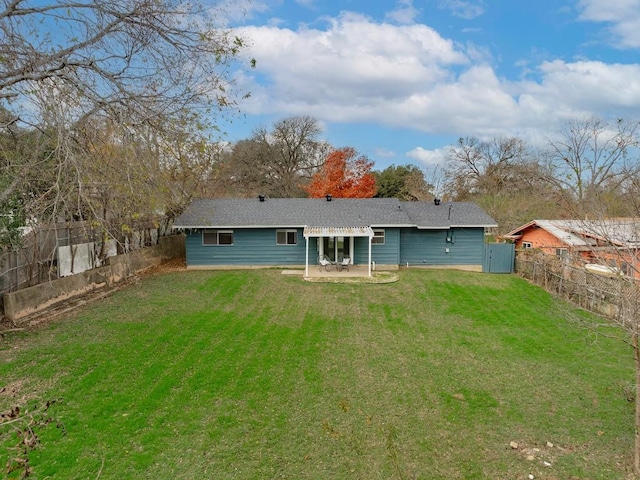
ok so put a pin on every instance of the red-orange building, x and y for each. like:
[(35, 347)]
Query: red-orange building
[(613, 243)]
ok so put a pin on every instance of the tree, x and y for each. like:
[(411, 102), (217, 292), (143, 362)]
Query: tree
[(277, 162), (502, 176), (612, 292), (590, 165), (590, 159), (404, 182), (496, 166), (137, 63), (107, 109), (344, 175), (19, 148)]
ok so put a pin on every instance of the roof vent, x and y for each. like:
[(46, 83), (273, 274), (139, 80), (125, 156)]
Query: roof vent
[(261, 198), (436, 201), (329, 197)]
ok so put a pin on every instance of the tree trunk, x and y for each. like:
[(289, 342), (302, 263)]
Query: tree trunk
[(636, 450)]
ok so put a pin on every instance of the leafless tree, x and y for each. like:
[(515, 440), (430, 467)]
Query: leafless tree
[(501, 175), (593, 166), (592, 159), (278, 161), (137, 62), (476, 167), (613, 290), (106, 110)]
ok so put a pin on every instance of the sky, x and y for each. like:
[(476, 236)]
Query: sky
[(401, 81)]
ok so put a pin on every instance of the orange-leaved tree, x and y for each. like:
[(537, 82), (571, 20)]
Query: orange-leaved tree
[(344, 175)]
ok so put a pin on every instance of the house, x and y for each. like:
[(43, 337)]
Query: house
[(614, 243), (295, 232)]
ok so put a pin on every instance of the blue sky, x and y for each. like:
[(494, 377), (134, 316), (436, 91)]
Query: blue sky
[(402, 80)]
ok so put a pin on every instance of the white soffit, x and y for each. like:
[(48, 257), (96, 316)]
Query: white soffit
[(338, 232)]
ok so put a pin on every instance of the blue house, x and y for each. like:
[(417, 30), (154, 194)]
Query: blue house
[(295, 232)]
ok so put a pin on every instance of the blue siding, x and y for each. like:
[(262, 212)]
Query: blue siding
[(383, 254), (250, 247), (417, 247), (429, 247), (313, 251)]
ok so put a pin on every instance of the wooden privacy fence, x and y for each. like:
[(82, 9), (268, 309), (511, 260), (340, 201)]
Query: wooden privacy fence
[(616, 297)]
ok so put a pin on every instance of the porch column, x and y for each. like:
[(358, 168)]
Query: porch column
[(306, 257), (352, 247), (369, 263)]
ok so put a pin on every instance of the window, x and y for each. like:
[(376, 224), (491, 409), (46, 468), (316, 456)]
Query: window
[(626, 268), (562, 253), (217, 237), (286, 237), (378, 237), (527, 245)]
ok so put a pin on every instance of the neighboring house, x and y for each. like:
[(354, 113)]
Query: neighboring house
[(296, 231), (612, 242)]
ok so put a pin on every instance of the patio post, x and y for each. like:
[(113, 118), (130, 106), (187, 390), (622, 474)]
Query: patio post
[(306, 257), (369, 263)]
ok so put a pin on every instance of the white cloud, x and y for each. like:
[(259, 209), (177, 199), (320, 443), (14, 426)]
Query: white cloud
[(474, 102), (606, 10), (463, 9), (349, 68), (582, 88), (428, 157), (406, 13), (408, 76), (623, 17), (384, 152)]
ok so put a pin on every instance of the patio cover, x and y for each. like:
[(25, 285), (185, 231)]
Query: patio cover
[(335, 232)]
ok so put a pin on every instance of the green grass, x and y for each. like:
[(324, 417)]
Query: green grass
[(255, 375)]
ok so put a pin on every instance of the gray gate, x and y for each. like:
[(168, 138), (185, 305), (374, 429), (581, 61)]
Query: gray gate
[(498, 258)]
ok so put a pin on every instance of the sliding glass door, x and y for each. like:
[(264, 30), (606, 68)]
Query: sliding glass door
[(336, 248)]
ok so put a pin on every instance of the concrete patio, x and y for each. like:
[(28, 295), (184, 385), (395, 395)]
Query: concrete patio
[(355, 274), (354, 271)]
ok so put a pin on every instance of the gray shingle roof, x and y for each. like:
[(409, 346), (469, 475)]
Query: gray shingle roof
[(339, 212)]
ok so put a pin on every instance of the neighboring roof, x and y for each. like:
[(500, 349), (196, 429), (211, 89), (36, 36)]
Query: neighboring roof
[(339, 212), (579, 233)]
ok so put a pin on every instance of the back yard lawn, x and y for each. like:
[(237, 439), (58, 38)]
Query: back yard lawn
[(255, 375)]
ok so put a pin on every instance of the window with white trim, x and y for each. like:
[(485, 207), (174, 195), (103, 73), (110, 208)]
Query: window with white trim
[(286, 237), (217, 237), (378, 236), (527, 245), (562, 253)]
